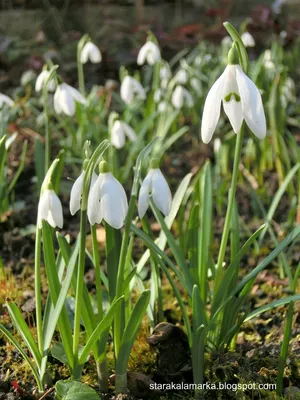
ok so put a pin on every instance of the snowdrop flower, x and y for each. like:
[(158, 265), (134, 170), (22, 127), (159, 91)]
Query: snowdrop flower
[(107, 200), (180, 97), (156, 187), (50, 209), (165, 75), (76, 192), (181, 77), (64, 99), (5, 100), (131, 88), (41, 81), (149, 53), (248, 39), (119, 132), (90, 52), (241, 101), (268, 63)]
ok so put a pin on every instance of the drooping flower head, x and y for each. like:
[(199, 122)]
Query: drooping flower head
[(64, 99), (149, 53), (181, 97), (42, 79), (248, 39), (154, 187), (90, 52), (119, 132), (241, 101), (107, 199), (131, 89), (50, 208)]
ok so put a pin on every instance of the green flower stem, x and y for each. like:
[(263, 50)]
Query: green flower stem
[(231, 198), (47, 130), (80, 72), (37, 289), (96, 258), (120, 277), (79, 284)]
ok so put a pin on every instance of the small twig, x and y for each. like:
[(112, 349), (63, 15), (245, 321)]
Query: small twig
[(46, 393)]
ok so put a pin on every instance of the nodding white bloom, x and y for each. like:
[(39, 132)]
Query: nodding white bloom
[(156, 187), (181, 77), (131, 88), (165, 75), (76, 192), (119, 132), (90, 52), (248, 39), (268, 63), (5, 100), (50, 209), (180, 97), (41, 81), (64, 99), (241, 101), (107, 200), (149, 53)]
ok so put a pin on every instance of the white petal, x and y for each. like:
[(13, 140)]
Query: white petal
[(76, 192), (75, 94), (161, 193), (177, 97), (56, 100), (7, 100), (234, 112), (41, 79), (181, 77), (144, 195), (212, 109), (139, 89), (117, 135), (248, 39), (66, 101), (93, 207), (43, 207), (113, 203), (55, 214), (95, 54), (142, 55), (252, 105), (130, 133), (126, 90), (149, 52), (188, 98)]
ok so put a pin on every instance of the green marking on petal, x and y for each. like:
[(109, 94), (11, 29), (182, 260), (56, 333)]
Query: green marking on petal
[(236, 97)]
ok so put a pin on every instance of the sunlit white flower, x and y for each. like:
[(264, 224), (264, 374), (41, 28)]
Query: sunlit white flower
[(64, 99), (248, 39), (90, 52), (131, 88), (241, 101), (76, 192), (181, 97), (10, 140), (50, 209), (119, 132), (268, 63), (156, 187), (5, 100), (107, 200), (181, 77), (41, 81), (165, 75), (149, 53)]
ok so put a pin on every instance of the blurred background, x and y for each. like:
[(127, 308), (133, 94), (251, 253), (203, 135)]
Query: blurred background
[(34, 30)]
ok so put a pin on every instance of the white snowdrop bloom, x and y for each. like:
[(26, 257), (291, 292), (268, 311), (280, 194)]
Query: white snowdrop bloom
[(181, 97), (130, 89), (10, 140), (165, 75), (5, 100), (241, 101), (107, 200), (156, 187), (181, 77), (50, 209), (149, 53), (76, 192), (41, 81), (64, 99), (90, 52), (248, 39), (119, 132), (268, 63)]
